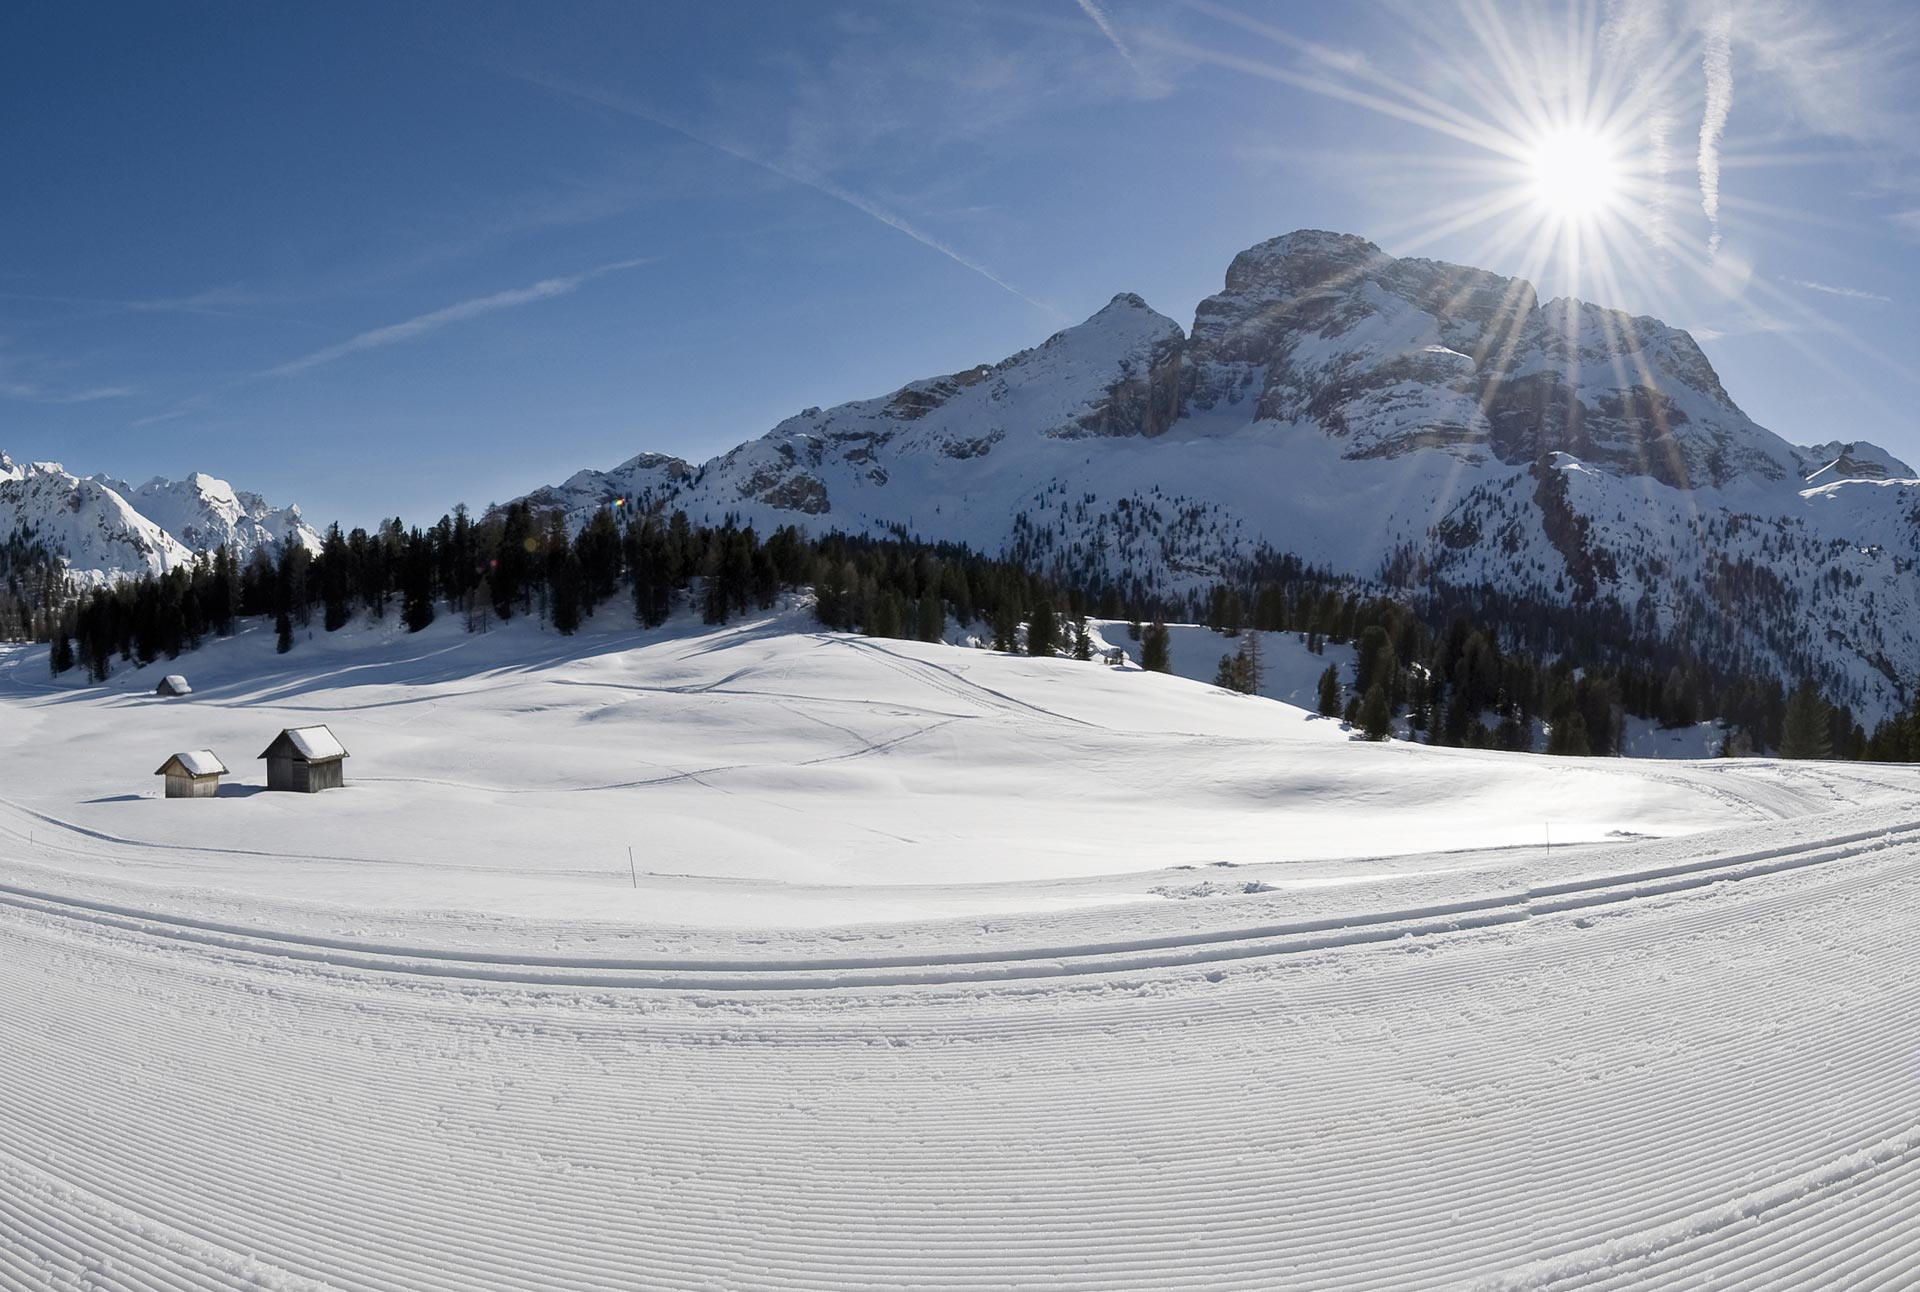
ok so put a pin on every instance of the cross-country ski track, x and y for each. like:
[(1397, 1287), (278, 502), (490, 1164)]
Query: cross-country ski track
[(1682, 1059)]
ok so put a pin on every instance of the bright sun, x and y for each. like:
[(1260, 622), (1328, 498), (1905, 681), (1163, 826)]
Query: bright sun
[(1573, 175)]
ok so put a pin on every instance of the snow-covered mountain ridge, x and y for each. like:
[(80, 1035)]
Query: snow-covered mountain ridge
[(106, 529), (1396, 419)]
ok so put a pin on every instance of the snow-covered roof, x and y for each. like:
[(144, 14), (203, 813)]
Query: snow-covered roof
[(308, 744), (176, 683), (194, 762)]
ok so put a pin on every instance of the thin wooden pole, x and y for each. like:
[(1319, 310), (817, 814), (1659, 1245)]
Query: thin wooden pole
[(630, 867)]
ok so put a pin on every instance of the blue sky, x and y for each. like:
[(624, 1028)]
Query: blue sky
[(379, 259)]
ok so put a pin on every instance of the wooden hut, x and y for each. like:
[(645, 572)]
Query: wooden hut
[(305, 760), (193, 774), (173, 684)]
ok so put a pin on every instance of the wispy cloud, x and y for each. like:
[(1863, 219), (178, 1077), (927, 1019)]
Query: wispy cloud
[(1850, 293), (434, 320), (1105, 24), (33, 393), (807, 178), (1716, 62), (1633, 35)]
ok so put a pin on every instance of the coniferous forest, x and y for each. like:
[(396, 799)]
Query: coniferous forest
[(1451, 671)]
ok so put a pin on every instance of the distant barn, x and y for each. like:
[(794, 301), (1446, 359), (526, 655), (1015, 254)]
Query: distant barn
[(194, 774), (173, 684), (305, 760)]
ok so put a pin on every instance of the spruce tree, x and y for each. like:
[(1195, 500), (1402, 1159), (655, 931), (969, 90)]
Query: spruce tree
[(932, 616), (60, 658), (416, 583), (1041, 628), (1376, 715), (1082, 640), (1156, 649), (884, 615), (1006, 626), (564, 580), (282, 633), (336, 578), (1330, 692), (1569, 736), (1806, 729), (513, 559)]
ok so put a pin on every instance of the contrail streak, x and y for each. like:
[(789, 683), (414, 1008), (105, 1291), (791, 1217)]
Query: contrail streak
[(1105, 24), (1717, 63)]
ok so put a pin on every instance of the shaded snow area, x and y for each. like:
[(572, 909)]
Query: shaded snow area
[(932, 968), (1290, 672)]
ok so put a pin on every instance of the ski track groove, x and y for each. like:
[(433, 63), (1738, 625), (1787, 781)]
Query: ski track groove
[(1473, 1111), (933, 968)]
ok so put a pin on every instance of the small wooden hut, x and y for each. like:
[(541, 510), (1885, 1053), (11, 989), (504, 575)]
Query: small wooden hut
[(305, 760), (173, 684), (192, 774)]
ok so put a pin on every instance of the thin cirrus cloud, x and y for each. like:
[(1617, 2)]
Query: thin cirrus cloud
[(28, 392), (406, 330), (805, 178), (434, 320)]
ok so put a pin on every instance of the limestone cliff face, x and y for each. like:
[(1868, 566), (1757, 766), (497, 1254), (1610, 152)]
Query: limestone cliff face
[(1390, 356)]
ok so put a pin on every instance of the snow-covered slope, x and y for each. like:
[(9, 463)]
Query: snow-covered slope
[(931, 968), (643, 483), (106, 529), (1399, 420), (203, 512)]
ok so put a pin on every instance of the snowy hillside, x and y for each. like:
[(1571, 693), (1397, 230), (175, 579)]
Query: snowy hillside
[(106, 529), (1399, 420), (929, 967)]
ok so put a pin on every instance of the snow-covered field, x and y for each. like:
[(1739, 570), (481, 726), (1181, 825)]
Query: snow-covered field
[(932, 968)]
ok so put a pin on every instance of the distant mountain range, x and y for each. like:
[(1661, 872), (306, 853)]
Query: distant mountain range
[(1411, 422), (107, 529)]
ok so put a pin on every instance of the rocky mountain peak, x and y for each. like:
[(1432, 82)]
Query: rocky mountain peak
[(1303, 261), (106, 529)]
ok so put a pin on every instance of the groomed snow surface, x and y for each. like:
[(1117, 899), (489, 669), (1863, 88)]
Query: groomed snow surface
[(931, 968)]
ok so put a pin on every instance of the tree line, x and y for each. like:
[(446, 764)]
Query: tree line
[(1464, 680)]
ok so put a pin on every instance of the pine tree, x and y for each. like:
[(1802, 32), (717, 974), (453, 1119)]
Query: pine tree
[(283, 633), (932, 616), (564, 582), (1082, 640), (1806, 729), (416, 583), (1376, 715), (513, 559), (1156, 650), (1041, 628), (1569, 736), (60, 658), (336, 578), (884, 616), (1330, 692), (1006, 626), (598, 548)]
